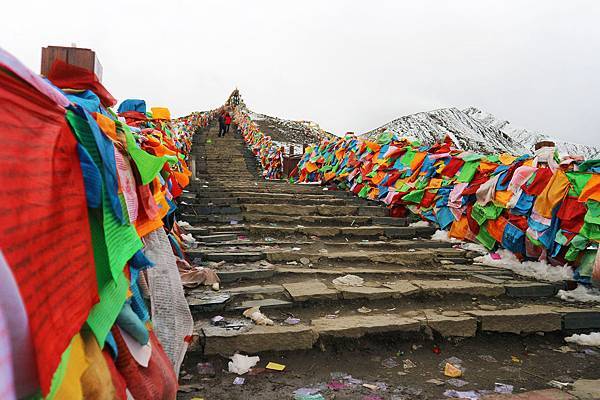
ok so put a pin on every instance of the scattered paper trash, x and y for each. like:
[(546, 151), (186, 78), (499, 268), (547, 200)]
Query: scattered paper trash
[(559, 385), (306, 391), (457, 382), (317, 396), (515, 360), (390, 363), (309, 393), (292, 321), (452, 371), (437, 382), (241, 364), (304, 261), (233, 222), (364, 310), (503, 388), (408, 364), (349, 280), (255, 315), (371, 386), (275, 367), (239, 381), (337, 385), (592, 339), (471, 394), (487, 358)]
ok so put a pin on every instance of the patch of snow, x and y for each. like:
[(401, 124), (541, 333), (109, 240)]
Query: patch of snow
[(474, 247), (443, 236), (188, 238), (349, 280), (581, 293), (420, 224), (534, 269), (592, 339)]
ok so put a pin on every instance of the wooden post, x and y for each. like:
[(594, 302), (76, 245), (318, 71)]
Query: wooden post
[(79, 57)]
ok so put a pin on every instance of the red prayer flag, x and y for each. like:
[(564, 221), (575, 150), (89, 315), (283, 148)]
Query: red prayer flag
[(44, 231)]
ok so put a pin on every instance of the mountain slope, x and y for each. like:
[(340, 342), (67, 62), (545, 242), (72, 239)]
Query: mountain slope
[(288, 131), (467, 133), (528, 138), (473, 129)]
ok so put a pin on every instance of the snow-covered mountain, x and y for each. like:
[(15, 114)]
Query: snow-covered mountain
[(473, 129), (527, 138), (288, 131)]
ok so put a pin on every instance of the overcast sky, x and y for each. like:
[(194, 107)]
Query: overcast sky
[(349, 65)]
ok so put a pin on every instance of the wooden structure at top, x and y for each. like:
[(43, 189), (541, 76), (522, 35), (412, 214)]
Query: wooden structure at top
[(85, 58)]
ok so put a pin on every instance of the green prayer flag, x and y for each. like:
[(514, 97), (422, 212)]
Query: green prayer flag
[(485, 238), (578, 180), (414, 196), (467, 171), (147, 164)]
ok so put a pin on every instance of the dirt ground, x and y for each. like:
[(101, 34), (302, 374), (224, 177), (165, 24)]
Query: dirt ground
[(527, 363)]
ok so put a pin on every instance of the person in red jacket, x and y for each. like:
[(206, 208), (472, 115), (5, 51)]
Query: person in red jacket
[(227, 122)]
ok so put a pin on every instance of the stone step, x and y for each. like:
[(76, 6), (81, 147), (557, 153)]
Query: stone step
[(262, 189), (216, 239), (266, 199), (207, 193), (384, 271), (226, 214), (348, 221), (324, 210), (319, 290), (402, 258), (395, 232), (330, 245), (252, 339), (422, 257), (210, 210)]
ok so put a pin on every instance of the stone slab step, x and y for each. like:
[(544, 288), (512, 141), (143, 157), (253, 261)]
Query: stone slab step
[(448, 271), (248, 273), (421, 256), (237, 201), (395, 232), (216, 238), (252, 193), (230, 256), (264, 304), (211, 210), (216, 340), (254, 339), (323, 210), (337, 221)]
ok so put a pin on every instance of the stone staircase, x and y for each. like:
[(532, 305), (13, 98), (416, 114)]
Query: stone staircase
[(279, 246)]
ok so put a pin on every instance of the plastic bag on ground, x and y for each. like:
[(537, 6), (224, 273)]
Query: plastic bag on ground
[(241, 364)]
